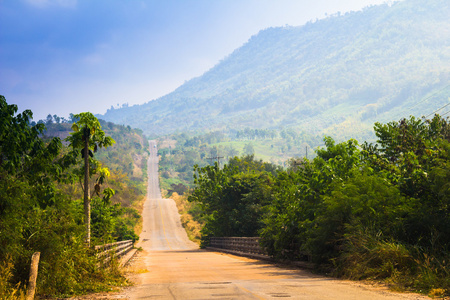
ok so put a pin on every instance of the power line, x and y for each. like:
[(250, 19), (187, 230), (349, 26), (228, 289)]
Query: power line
[(446, 113), (427, 98), (438, 110)]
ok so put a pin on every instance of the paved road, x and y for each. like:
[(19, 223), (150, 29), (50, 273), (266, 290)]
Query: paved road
[(172, 267)]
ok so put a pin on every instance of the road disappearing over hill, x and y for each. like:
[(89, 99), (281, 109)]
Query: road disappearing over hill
[(162, 229), (172, 267)]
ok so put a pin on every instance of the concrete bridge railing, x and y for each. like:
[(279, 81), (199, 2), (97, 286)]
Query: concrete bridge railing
[(248, 245), (105, 253)]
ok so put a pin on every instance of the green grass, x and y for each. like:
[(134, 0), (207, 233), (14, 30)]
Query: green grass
[(267, 150)]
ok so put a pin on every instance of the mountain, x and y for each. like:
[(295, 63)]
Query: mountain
[(336, 75)]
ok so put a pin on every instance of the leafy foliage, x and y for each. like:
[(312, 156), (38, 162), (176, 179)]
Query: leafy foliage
[(232, 198)]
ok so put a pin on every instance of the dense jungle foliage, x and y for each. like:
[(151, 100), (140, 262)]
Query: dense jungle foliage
[(336, 76), (41, 206), (364, 211)]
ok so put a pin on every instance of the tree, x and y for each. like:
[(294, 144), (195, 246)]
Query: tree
[(413, 154), (233, 198), (298, 196), (57, 119), (88, 136), (22, 152), (49, 119), (248, 149)]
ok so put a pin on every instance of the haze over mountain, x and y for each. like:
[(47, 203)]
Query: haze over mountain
[(335, 76)]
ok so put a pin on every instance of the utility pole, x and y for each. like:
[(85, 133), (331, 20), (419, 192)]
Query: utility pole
[(306, 152), (171, 158), (216, 157)]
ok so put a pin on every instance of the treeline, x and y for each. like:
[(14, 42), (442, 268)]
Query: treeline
[(372, 210), (41, 207), (252, 134), (126, 156)]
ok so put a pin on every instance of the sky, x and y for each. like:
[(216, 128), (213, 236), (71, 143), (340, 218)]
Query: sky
[(71, 56)]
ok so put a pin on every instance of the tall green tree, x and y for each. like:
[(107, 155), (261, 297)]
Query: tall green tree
[(233, 198), (87, 137), (298, 195), (413, 154)]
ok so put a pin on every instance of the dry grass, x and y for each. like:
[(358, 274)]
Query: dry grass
[(139, 206), (192, 227), (138, 161), (165, 143), (7, 290), (402, 268)]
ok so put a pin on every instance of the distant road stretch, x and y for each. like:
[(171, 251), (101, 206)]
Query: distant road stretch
[(162, 228)]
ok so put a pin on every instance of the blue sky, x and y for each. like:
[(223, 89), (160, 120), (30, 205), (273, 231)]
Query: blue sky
[(70, 56)]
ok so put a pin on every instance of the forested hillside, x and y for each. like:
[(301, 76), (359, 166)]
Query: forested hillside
[(335, 76)]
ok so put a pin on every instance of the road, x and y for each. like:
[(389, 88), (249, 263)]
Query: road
[(172, 267)]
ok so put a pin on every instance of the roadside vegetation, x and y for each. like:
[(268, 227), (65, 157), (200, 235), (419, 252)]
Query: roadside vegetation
[(41, 206), (373, 211)]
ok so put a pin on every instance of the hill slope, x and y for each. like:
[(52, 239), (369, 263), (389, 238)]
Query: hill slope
[(335, 75)]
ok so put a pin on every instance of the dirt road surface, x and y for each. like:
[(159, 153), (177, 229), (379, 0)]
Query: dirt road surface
[(172, 267)]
